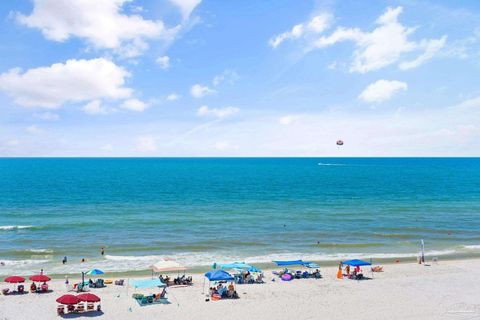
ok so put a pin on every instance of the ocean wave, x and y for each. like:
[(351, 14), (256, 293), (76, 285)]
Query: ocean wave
[(331, 164), (133, 258), (39, 250), (473, 247), (10, 228)]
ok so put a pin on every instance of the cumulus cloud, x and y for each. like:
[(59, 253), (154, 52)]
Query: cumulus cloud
[(134, 105), (387, 44), (289, 119), (173, 97), (186, 6), (228, 76), (199, 91), (95, 107), (146, 144), (431, 47), (219, 113), (315, 25), (102, 24), (47, 116), (33, 129), (163, 62), (72, 81), (382, 90)]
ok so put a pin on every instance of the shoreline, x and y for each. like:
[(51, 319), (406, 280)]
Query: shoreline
[(201, 269), (420, 292)]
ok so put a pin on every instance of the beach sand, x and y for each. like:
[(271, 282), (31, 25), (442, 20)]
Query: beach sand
[(447, 290)]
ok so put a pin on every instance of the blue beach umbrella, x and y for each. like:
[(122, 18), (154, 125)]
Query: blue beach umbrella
[(95, 272), (356, 263)]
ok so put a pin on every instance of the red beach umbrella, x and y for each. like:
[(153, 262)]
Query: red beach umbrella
[(15, 279), (40, 278), (88, 297), (68, 299)]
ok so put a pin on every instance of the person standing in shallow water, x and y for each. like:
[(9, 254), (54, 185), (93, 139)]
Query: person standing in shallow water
[(102, 251), (64, 260)]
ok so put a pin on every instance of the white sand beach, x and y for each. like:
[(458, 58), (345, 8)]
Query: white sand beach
[(447, 290)]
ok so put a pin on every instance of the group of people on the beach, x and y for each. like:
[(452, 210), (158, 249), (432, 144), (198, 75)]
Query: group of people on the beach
[(223, 291), (65, 259)]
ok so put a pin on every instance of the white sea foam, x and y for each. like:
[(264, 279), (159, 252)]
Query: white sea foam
[(331, 164), (133, 258), (9, 228), (40, 250), (472, 247)]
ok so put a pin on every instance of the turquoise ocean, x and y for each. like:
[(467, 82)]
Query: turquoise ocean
[(205, 210)]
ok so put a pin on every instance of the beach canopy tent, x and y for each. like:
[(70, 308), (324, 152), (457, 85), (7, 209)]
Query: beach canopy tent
[(14, 279), (235, 265), (290, 262), (88, 297), (356, 263), (94, 272), (68, 299), (311, 265), (240, 267), (40, 278), (167, 266), (219, 275), (147, 284)]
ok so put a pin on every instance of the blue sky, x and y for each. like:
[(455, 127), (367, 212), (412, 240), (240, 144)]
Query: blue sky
[(239, 78)]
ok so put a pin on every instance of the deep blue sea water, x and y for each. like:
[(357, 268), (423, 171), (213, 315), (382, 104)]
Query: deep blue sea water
[(201, 210)]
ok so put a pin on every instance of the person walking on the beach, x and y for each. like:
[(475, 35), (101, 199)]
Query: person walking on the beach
[(64, 260), (103, 251)]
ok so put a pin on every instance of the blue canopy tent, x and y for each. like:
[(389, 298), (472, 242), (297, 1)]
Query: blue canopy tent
[(311, 265), (235, 265), (217, 275), (240, 266), (289, 262), (356, 263)]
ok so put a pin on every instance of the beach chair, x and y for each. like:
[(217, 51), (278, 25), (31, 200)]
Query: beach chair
[(119, 282), (60, 310), (90, 307), (71, 308), (5, 291), (21, 288), (80, 307), (99, 283)]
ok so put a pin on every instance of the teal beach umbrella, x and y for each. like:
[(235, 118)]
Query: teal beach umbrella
[(95, 272)]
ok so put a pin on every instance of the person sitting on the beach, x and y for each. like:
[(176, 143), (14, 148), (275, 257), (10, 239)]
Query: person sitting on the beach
[(33, 287), (167, 280), (347, 270), (90, 282)]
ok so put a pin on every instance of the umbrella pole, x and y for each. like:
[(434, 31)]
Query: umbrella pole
[(203, 287), (83, 279)]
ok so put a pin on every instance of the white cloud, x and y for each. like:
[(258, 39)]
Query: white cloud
[(431, 47), (315, 25), (134, 105), (220, 113), (33, 129), (101, 23), (72, 81), (173, 97), (47, 116), (383, 46), (198, 90), (228, 76), (95, 107), (382, 90), (289, 119), (146, 144), (186, 6), (163, 62)]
